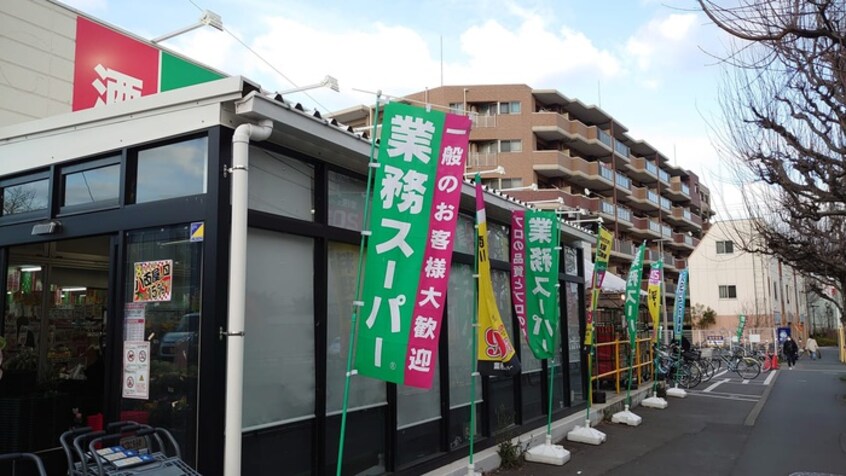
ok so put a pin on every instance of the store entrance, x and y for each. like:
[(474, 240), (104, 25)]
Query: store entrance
[(54, 326)]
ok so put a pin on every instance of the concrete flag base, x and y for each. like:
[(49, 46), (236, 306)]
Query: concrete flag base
[(586, 434), (654, 402), (676, 392), (626, 417), (548, 453), (471, 470)]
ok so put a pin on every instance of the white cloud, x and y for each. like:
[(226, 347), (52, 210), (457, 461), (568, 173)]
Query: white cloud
[(663, 41), (530, 53)]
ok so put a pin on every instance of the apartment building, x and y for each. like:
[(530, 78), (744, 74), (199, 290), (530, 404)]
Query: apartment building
[(769, 293), (542, 147)]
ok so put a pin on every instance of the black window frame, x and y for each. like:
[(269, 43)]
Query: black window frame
[(33, 215), (729, 290), (107, 161)]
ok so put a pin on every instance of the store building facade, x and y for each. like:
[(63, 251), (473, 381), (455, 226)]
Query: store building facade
[(115, 229)]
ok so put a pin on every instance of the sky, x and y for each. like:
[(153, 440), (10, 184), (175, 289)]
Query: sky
[(648, 63)]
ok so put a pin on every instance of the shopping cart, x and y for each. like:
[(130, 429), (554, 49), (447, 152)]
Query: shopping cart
[(13, 457), (153, 452)]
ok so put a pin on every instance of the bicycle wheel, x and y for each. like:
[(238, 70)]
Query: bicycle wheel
[(748, 368), (707, 369), (690, 376)]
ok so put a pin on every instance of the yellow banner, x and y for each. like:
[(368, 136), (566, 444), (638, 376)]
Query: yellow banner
[(653, 298), (604, 240), (494, 344)]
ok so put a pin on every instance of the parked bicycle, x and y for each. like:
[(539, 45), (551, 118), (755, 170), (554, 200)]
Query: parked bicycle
[(746, 367), (671, 363)]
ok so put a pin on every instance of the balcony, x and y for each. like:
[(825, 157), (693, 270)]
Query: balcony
[(678, 190), (666, 231), (623, 249), (644, 228), (482, 159), (642, 199), (482, 121), (556, 164), (624, 184), (604, 137), (664, 176), (666, 204), (551, 126), (642, 170), (623, 216), (685, 219), (682, 241)]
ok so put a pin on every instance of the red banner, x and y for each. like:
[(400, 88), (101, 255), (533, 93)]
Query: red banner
[(518, 270)]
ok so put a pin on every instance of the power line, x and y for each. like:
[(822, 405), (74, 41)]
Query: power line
[(266, 62)]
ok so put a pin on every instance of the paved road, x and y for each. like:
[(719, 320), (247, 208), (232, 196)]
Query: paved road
[(780, 423)]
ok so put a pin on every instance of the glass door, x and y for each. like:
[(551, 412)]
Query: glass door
[(54, 325)]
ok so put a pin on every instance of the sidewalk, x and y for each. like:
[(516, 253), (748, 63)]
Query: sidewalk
[(801, 427)]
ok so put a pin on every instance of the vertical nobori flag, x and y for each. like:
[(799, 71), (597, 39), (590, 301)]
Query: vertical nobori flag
[(412, 224), (656, 275), (604, 239), (495, 352), (541, 279), (518, 267), (741, 324), (633, 293), (678, 315)]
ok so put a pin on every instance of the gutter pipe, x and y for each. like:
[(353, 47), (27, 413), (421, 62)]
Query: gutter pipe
[(237, 291)]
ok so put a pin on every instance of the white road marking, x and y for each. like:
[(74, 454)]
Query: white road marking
[(721, 373), (770, 377), (745, 381), (715, 385), (737, 398)]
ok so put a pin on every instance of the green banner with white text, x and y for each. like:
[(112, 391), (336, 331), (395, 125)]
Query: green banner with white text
[(542, 258)]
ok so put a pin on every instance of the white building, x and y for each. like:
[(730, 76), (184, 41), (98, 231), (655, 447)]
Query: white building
[(768, 292)]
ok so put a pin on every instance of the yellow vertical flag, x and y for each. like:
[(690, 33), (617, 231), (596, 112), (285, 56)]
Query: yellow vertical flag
[(604, 240), (495, 353), (653, 298)]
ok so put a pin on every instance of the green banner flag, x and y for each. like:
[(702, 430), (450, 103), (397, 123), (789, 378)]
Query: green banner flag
[(542, 257), (741, 324), (412, 225), (633, 293)]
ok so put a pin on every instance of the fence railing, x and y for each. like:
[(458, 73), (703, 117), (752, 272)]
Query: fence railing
[(643, 358)]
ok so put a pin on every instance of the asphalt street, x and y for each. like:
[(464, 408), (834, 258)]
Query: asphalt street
[(787, 422)]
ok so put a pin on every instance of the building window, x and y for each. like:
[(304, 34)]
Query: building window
[(725, 247), (173, 170), (512, 107), (514, 145), (511, 182), (91, 184), (281, 185), (728, 292), (456, 107), (25, 197), (279, 365)]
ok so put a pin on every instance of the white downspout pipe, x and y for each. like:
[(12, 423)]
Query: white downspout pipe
[(237, 291)]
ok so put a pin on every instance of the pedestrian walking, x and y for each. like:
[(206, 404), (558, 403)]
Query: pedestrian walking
[(813, 348), (790, 350)]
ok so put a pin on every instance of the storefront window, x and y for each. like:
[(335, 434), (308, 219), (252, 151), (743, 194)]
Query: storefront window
[(279, 344), (25, 197), (498, 236), (100, 185), (574, 343), (460, 317), (346, 201), (173, 170), (364, 392), (161, 319), (571, 261), (281, 185), (465, 234)]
